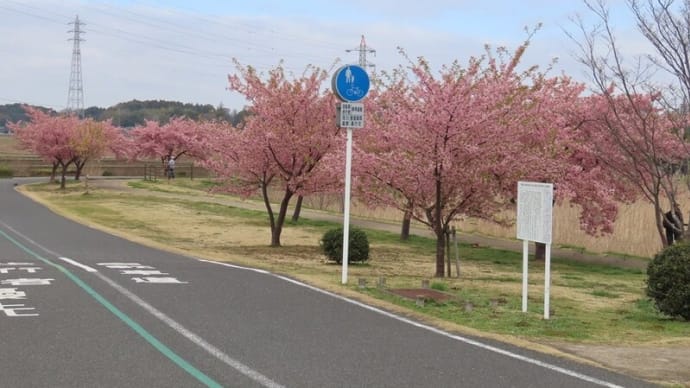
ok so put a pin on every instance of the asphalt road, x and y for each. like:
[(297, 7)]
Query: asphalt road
[(79, 307)]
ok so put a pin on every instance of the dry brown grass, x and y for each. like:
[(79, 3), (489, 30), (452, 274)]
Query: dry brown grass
[(9, 147), (206, 233), (634, 232)]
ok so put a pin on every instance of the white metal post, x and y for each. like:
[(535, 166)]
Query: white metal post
[(346, 210), (547, 281), (525, 257)]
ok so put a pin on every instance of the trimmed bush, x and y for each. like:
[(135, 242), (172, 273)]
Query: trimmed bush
[(668, 280), (6, 172), (438, 286), (358, 248), (107, 173)]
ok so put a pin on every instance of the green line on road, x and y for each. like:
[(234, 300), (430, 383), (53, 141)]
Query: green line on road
[(166, 351)]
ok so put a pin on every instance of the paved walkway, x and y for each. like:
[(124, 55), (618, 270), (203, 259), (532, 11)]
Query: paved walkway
[(488, 241)]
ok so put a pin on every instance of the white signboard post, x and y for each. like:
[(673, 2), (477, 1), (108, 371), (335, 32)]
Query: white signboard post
[(534, 223), (350, 84)]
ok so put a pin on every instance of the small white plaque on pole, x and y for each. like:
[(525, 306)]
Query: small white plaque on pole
[(350, 115), (535, 211)]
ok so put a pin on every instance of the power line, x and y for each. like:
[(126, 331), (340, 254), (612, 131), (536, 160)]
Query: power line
[(188, 35), (176, 47)]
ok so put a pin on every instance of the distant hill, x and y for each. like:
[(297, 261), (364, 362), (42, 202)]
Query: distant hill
[(135, 112), (11, 113)]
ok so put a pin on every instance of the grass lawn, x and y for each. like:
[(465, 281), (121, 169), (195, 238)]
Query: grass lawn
[(590, 303)]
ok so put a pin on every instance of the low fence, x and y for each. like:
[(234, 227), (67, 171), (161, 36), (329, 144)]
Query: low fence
[(29, 166)]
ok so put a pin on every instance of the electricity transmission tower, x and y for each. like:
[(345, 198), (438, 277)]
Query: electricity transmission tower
[(75, 96), (363, 50)]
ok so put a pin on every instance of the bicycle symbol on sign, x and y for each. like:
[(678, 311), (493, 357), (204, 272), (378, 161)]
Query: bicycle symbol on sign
[(354, 92)]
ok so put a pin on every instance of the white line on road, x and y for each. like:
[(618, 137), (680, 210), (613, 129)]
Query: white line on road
[(78, 264), (261, 271), (270, 383), (212, 350), (466, 340), (26, 238)]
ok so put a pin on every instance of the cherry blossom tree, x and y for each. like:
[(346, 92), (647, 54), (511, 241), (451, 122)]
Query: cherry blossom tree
[(447, 145), (557, 147), (64, 140), (90, 140), (180, 136), (639, 141), (454, 145), (631, 132), (285, 143), (49, 137)]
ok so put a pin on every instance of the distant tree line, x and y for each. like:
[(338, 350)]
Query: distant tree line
[(11, 113), (132, 113)]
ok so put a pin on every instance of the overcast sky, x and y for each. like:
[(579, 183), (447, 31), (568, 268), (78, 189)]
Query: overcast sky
[(182, 50)]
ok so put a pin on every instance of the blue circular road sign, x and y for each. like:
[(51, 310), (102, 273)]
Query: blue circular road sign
[(350, 83)]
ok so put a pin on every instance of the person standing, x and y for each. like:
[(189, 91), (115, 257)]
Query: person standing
[(171, 168), (673, 225)]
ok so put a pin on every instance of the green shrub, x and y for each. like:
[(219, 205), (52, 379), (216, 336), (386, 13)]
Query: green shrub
[(358, 248), (668, 280), (6, 172), (438, 286), (107, 173)]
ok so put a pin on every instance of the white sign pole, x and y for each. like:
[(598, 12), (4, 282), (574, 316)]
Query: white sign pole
[(525, 258), (547, 281), (350, 84), (346, 210)]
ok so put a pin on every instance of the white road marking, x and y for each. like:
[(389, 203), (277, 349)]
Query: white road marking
[(78, 264), (212, 350), (466, 340), (269, 383), (261, 271)]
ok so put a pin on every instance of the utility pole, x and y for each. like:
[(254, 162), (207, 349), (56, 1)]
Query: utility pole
[(363, 49), (75, 96)]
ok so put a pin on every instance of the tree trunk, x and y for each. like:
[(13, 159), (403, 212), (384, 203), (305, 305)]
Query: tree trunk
[(269, 210), (438, 227), (80, 166), (277, 228), (407, 221), (298, 209), (62, 176), (659, 218), (53, 172), (440, 254), (446, 235), (539, 251)]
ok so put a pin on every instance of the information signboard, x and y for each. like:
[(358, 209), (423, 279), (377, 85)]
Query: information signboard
[(535, 211)]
